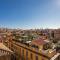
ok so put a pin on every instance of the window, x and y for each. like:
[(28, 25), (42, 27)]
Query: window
[(26, 55), (36, 57), (20, 51), (31, 56), (23, 54)]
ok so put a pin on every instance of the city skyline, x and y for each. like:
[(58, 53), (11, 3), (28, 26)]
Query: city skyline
[(30, 14)]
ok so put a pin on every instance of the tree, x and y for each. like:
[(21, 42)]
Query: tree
[(47, 46), (55, 40), (58, 47)]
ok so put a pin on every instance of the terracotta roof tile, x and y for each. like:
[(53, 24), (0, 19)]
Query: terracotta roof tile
[(39, 41)]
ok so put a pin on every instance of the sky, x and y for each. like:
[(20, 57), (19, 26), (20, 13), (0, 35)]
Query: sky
[(30, 14)]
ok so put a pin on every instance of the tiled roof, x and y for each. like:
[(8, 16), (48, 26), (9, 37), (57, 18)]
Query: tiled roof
[(2, 46), (39, 41)]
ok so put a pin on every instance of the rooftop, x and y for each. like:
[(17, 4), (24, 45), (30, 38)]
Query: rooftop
[(2, 46), (39, 41)]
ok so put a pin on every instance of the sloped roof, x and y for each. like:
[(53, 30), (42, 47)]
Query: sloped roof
[(39, 41), (2, 46)]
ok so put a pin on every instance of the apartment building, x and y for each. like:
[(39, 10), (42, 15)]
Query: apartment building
[(57, 34), (32, 51)]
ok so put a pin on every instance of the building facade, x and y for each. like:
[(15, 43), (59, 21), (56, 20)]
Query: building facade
[(26, 52)]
